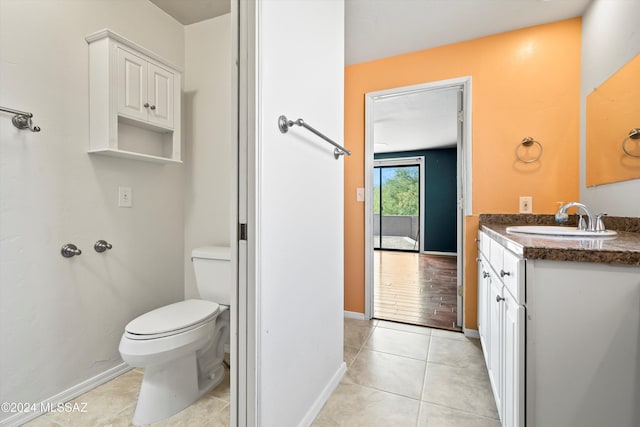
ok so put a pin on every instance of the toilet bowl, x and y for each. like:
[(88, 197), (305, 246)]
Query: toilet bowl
[(181, 346)]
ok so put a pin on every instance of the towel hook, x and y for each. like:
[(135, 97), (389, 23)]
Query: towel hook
[(528, 142), (633, 134)]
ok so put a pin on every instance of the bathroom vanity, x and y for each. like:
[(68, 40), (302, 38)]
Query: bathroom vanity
[(559, 323)]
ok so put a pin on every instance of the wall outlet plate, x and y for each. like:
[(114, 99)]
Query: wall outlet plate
[(526, 204), (125, 197)]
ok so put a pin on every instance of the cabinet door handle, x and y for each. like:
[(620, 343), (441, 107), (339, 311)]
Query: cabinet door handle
[(153, 107), (504, 273), (485, 274), (499, 298), (146, 105)]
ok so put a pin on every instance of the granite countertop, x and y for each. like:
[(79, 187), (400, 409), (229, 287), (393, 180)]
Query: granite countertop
[(622, 249)]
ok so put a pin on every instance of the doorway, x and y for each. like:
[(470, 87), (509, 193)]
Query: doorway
[(433, 261)]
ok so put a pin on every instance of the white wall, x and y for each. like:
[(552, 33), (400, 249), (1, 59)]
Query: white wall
[(298, 191), (207, 146), (610, 38), (61, 319)]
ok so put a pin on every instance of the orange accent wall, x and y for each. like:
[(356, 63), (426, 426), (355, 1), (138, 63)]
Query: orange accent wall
[(524, 83)]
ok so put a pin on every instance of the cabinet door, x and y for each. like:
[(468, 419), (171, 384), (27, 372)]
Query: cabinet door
[(160, 96), (132, 85), (513, 365), (483, 299), (495, 334)]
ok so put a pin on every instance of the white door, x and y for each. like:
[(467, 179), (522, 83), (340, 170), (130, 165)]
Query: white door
[(132, 85), (293, 187)]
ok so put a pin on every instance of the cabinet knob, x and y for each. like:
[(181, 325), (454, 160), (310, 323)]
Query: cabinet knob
[(146, 105), (153, 107), (504, 273), (485, 274), (499, 298)]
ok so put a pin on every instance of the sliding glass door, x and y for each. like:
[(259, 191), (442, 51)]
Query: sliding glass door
[(396, 207)]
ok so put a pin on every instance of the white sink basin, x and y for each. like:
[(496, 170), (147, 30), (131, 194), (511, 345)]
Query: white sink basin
[(554, 230)]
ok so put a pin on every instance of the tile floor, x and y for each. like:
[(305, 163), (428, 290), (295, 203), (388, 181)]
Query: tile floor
[(398, 375), (113, 404), (401, 375)]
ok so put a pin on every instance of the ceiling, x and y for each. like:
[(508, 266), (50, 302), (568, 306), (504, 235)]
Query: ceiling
[(376, 29), (189, 12)]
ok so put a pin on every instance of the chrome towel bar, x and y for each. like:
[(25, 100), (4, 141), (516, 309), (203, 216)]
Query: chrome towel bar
[(22, 119), (285, 124)]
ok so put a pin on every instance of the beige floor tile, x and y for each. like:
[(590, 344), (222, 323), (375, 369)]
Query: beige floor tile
[(400, 343), (202, 413), (352, 405), (113, 405), (105, 401), (467, 389), (404, 327), (350, 354), (440, 416), (455, 352), (360, 323), (387, 372), (356, 332), (441, 333)]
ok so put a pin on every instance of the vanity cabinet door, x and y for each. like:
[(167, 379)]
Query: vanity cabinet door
[(483, 299), (513, 362), (495, 339)]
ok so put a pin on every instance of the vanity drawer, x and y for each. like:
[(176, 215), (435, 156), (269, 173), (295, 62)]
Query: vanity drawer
[(512, 275)]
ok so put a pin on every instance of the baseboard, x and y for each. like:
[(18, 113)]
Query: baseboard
[(471, 333), (453, 254), (315, 409), (353, 315), (66, 395)]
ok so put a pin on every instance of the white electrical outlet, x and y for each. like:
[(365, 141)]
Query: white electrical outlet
[(125, 197), (526, 204)]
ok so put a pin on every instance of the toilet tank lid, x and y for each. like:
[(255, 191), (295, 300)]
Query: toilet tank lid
[(212, 252)]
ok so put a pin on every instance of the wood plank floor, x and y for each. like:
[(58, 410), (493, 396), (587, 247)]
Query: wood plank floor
[(415, 288)]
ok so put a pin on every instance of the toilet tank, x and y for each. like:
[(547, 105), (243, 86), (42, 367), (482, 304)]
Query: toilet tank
[(212, 267)]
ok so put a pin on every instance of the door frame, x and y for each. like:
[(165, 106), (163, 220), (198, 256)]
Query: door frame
[(464, 173), (420, 161)]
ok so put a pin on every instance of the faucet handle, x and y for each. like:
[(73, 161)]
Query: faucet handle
[(600, 223)]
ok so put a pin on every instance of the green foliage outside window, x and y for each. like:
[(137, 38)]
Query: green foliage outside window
[(400, 193)]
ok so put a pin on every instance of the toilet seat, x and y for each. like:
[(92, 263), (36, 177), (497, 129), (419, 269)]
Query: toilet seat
[(172, 319)]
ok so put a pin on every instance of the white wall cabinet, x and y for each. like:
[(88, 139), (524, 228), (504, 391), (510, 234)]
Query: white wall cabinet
[(134, 101)]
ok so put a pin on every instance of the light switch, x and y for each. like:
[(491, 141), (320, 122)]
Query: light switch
[(125, 197), (360, 194)]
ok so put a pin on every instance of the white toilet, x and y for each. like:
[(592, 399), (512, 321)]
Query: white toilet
[(181, 346)]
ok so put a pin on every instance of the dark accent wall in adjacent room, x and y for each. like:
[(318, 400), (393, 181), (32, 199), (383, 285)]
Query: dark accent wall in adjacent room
[(440, 233)]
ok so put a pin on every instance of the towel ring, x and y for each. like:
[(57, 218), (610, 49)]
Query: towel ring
[(528, 142), (633, 134)]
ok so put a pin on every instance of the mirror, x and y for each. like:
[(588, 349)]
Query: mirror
[(613, 147)]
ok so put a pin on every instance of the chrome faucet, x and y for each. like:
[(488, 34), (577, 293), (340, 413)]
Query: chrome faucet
[(562, 216)]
